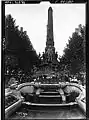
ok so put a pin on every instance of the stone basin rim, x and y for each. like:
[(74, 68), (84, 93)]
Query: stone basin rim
[(63, 104)]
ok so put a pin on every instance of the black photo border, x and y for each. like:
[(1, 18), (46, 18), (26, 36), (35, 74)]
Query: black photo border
[(3, 2)]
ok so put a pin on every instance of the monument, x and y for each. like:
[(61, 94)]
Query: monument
[(50, 54), (49, 63)]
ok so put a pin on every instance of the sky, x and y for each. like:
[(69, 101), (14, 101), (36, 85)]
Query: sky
[(33, 18)]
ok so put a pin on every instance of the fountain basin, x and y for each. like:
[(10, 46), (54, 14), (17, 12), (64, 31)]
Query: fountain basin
[(50, 93), (47, 95), (12, 104)]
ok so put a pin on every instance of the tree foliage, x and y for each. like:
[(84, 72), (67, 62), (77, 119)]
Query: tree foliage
[(74, 53), (17, 43)]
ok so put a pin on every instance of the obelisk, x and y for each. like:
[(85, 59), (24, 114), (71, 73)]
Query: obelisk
[(50, 40)]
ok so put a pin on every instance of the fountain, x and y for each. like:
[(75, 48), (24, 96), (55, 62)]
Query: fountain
[(46, 89)]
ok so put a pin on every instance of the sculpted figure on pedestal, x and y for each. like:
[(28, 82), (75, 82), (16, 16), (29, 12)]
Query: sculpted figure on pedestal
[(56, 55)]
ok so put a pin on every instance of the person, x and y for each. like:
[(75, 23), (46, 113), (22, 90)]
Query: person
[(56, 55)]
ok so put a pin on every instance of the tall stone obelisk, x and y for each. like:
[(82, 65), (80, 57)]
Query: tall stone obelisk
[(50, 39)]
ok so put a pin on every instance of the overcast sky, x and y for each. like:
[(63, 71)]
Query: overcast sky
[(33, 19)]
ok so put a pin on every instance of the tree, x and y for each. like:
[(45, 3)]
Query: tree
[(74, 52), (18, 51)]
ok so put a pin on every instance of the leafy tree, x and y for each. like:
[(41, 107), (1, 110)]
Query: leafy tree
[(74, 53), (18, 51)]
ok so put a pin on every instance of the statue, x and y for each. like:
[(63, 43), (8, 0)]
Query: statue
[(49, 54), (44, 57), (56, 55), (39, 55)]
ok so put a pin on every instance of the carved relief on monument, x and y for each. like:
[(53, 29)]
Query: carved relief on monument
[(49, 54)]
